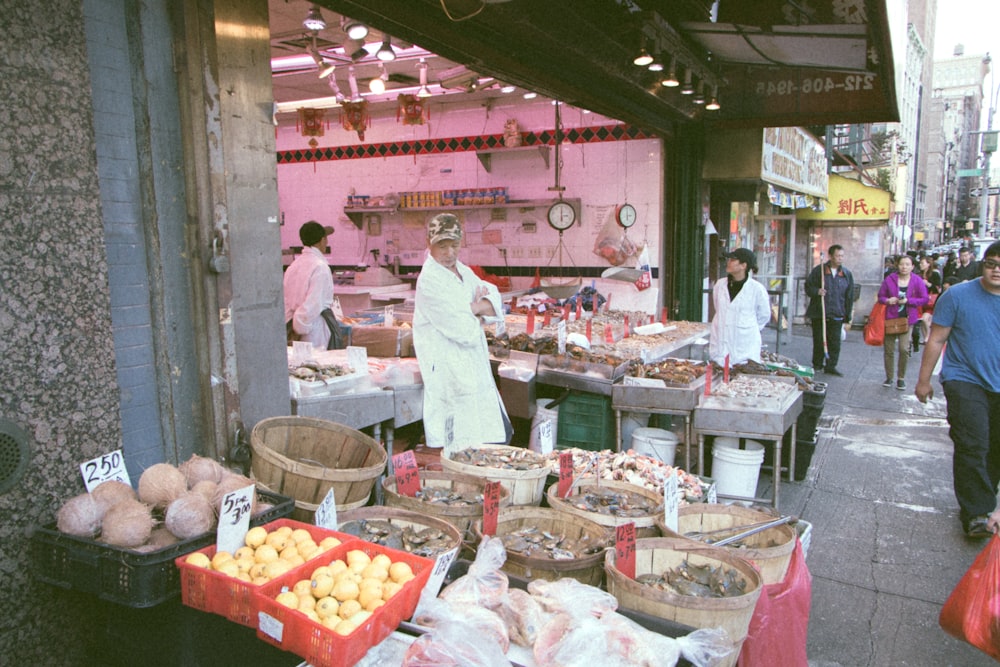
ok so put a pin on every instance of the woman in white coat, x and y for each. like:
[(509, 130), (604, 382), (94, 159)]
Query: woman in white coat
[(462, 406), (742, 309)]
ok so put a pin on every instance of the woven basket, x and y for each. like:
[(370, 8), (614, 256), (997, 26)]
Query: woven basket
[(460, 516), (526, 487), (402, 518), (305, 457), (587, 569), (770, 550), (645, 525), (654, 555)]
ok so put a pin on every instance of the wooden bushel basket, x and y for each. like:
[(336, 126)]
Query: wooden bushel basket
[(401, 518), (305, 457), (526, 487), (645, 526), (460, 516)]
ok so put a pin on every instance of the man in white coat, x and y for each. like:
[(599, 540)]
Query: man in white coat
[(742, 309), (308, 287), (462, 406)]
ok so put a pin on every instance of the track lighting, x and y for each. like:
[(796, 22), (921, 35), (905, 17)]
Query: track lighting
[(377, 84), (336, 90), (424, 91), (643, 58), (323, 68), (687, 88), (657, 64), (385, 52), (507, 88), (530, 95), (352, 80), (700, 97), (314, 19), (670, 80), (355, 29), (713, 104)]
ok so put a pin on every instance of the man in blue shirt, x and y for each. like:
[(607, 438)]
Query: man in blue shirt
[(967, 318)]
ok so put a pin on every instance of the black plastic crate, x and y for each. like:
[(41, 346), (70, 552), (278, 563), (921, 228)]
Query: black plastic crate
[(586, 421), (122, 575)]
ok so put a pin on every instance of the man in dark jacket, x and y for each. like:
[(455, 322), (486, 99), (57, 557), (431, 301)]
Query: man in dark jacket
[(832, 285), (968, 267)]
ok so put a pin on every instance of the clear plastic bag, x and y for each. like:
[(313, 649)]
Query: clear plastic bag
[(485, 584), (572, 597), (479, 621), (453, 646)]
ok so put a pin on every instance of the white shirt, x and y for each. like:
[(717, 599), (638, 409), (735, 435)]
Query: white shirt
[(308, 287), (737, 323)]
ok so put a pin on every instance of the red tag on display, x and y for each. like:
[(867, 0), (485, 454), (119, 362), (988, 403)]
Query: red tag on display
[(725, 371), (404, 467), (565, 473), (579, 306), (531, 321), (625, 549), (626, 333), (565, 314), (548, 317), (663, 315), (607, 304), (588, 330), (609, 335), (708, 379), (491, 507)]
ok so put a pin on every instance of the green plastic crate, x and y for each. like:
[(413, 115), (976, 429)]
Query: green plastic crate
[(586, 421)]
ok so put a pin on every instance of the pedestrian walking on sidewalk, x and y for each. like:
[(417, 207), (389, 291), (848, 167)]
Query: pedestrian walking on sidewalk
[(967, 318), (903, 295), (830, 288)]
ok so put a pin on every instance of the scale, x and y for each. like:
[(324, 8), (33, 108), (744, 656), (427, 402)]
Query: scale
[(625, 216), (561, 216)]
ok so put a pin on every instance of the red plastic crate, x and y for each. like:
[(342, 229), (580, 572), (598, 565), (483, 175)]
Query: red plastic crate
[(320, 646), (232, 598)]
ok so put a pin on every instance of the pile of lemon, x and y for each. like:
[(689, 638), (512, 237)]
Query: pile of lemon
[(342, 595), (266, 555)]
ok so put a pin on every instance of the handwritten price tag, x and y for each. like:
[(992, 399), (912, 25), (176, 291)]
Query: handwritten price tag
[(725, 371), (546, 437), (663, 315), (491, 507), (565, 473), (561, 336), (404, 466), (627, 333), (234, 519), (547, 320), (389, 316), (712, 495), (326, 513), (589, 322), (579, 307), (609, 334), (625, 549), (708, 380), (104, 468), (671, 501), (531, 321), (433, 586)]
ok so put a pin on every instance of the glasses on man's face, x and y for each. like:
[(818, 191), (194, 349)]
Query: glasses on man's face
[(991, 264)]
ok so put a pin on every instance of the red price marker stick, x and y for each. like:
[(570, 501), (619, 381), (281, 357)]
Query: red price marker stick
[(609, 334), (626, 333), (663, 315), (565, 473), (531, 321), (625, 549), (404, 467), (491, 507), (565, 315), (579, 306), (708, 379), (725, 371), (607, 304), (588, 330), (652, 319), (548, 317)]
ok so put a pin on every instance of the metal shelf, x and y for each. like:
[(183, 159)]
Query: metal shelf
[(486, 156), (357, 213)]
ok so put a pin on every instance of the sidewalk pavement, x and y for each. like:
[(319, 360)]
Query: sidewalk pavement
[(886, 547)]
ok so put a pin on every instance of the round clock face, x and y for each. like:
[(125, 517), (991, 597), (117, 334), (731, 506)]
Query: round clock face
[(626, 215), (562, 215)]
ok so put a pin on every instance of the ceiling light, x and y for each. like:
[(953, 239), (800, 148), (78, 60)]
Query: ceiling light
[(314, 19), (657, 64), (643, 58), (385, 52), (700, 97), (670, 80), (687, 89), (355, 29), (507, 88), (530, 95), (424, 91), (324, 68), (377, 84), (713, 104)]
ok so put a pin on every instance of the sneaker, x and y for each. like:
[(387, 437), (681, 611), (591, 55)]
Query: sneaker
[(834, 371), (887, 383), (901, 384), (978, 528)]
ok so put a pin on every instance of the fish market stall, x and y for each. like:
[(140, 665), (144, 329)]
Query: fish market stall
[(752, 407)]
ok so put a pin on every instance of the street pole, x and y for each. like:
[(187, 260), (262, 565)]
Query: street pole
[(988, 142)]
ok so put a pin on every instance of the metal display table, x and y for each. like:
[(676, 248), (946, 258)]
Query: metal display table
[(753, 418)]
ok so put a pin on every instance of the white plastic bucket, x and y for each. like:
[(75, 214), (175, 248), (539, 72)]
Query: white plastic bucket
[(736, 470), (542, 415), (630, 422), (655, 443)]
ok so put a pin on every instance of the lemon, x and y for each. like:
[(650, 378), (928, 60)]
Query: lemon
[(257, 570), (277, 540), (220, 557), (331, 622), (337, 567), (345, 628), (322, 569), (369, 595), (296, 560), (374, 604), (255, 537), (303, 587), (346, 589), (373, 571), (349, 608), (321, 585), (288, 552), (300, 535), (399, 570), (243, 552), (326, 607), (198, 559), (390, 588), (288, 599), (276, 568), (307, 601), (265, 553), (312, 615), (329, 542), (244, 564), (382, 561), (284, 531), (355, 556)]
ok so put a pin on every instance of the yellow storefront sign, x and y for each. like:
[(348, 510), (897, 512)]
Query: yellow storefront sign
[(850, 200)]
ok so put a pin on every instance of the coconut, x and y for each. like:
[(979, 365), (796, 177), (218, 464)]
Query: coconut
[(233, 482), (189, 516), (81, 516), (161, 538), (128, 524), (112, 492), (207, 488), (198, 468), (161, 484)]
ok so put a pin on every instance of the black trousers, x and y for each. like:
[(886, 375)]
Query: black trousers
[(833, 329)]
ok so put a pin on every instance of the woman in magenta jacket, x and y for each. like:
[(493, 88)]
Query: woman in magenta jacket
[(903, 294)]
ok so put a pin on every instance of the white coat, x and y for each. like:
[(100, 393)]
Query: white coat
[(462, 406), (308, 288), (737, 324)]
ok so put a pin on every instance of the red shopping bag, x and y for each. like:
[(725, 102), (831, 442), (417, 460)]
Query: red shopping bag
[(875, 327), (972, 611)]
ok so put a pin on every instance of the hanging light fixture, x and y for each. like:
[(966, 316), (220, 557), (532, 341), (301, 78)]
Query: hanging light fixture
[(323, 68), (713, 104), (377, 84), (670, 80), (657, 64), (699, 98), (352, 80), (507, 88), (385, 52), (530, 95), (314, 20), (423, 91), (339, 96), (355, 29), (642, 59), (687, 88)]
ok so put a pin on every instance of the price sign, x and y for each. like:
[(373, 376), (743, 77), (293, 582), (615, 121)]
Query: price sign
[(104, 468), (565, 473), (546, 437), (357, 358), (326, 513), (565, 313), (338, 311), (270, 626), (579, 306), (491, 507), (627, 327), (547, 320), (433, 585), (404, 466), (671, 501), (234, 519), (625, 549), (531, 321), (561, 334), (712, 495), (389, 316), (589, 321), (609, 334)]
